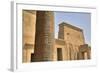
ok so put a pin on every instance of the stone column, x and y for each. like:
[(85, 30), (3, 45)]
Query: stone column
[(44, 41)]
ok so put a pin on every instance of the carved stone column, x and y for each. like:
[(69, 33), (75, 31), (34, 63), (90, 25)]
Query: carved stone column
[(44, 41)]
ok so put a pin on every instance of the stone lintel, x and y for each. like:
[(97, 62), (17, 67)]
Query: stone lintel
[(60, 41)]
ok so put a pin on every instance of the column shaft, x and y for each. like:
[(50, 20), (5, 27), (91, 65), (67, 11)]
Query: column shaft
[(44, 41)]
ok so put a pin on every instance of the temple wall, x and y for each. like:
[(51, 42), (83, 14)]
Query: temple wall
[(59, 43), (29, 23), (73, 38)]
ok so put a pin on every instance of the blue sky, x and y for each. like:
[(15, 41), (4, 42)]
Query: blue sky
[(81, 20)]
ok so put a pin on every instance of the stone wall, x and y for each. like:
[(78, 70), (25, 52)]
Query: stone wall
[(59, 44), (73, 37), (84, 52), (29, 23)]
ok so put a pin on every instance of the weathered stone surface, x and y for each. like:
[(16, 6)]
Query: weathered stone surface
[(73, 37), (29, 22), (44, 43), (84, 52)]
